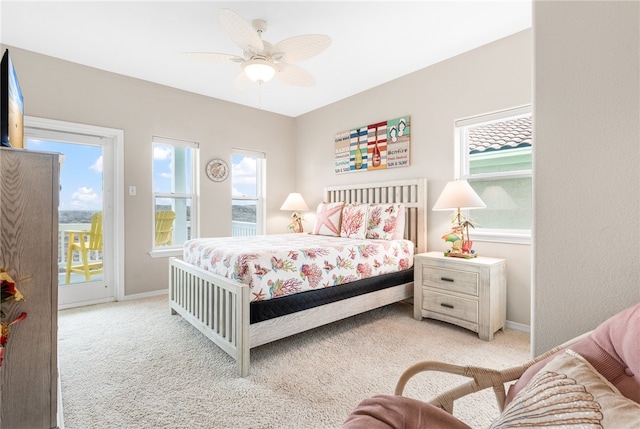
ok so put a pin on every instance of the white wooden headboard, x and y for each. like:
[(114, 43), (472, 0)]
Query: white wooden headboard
[(410, 192)]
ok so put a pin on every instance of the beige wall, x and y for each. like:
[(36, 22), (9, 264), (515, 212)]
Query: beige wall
[(493, 77), (300, 151), (587, 159), (56, 89)]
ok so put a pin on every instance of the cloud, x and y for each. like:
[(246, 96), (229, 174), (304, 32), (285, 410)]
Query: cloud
[(236, 193), (244, 172), (97, 166), (86, 199), (162, 152)]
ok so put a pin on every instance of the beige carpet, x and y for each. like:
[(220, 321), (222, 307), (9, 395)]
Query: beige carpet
[(133, 365)]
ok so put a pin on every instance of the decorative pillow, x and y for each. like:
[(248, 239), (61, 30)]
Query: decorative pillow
[(612, 349), (568, 392), (392, 411), (354, 221), (328, 218), (383, 220), (398, 234)]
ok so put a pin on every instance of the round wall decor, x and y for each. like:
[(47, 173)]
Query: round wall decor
[(217, 170)]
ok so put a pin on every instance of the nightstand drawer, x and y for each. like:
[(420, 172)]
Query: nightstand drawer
[(450, 280), (452, 306)]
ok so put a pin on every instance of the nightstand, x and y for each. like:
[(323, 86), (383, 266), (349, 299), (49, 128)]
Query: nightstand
[(471, 293)]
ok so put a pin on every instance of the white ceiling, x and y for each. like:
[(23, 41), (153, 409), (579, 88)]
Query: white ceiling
[(373, 42)]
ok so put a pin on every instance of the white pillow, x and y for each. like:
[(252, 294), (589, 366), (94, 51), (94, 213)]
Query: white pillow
[(383, 220)]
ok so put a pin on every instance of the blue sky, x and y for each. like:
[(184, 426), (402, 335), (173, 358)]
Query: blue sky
[(81, 174), (243, 173)]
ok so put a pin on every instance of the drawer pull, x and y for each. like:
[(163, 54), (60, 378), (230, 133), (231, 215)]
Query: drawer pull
[(446, 279), (446, 305)]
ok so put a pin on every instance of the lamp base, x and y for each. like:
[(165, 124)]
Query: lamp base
[(296, 223)]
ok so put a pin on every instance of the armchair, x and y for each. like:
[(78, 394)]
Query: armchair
[(601, 367)]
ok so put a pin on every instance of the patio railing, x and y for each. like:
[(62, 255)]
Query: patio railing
[(242, 229), (238, 229), (63, 239)]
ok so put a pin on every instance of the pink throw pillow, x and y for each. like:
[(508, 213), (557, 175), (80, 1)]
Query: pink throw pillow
[(328, 218), (613, 348), (354, 221), (394, 412), (398, 234)]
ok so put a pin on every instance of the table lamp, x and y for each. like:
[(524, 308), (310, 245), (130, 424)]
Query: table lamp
[(459, 195), (296, 203)]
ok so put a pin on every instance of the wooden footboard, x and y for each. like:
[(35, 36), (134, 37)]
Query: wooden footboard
[(219, 308), (216, 306)]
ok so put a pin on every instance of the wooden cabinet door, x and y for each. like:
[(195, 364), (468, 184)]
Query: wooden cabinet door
[(29, 192)]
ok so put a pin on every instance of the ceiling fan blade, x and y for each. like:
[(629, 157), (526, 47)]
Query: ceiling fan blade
[(294, 75), (300, 48), (241, 32), (242, 81), (213, 57)]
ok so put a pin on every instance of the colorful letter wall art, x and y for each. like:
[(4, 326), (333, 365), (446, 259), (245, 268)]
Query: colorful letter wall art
[(376, 146)]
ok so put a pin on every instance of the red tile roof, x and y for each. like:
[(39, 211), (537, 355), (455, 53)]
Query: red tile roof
[(501, 135)]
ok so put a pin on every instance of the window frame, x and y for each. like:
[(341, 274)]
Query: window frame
[(495, 235), (175, 249)]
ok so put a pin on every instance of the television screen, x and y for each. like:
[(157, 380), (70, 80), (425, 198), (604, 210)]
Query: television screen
[(11, 105)]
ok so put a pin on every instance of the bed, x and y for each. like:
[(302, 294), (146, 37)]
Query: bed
[(222, 309)]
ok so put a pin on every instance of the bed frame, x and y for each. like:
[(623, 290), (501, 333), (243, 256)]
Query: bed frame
[(219, 307)]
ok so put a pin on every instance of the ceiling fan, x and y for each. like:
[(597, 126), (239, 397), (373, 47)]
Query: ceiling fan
[(261, 61)]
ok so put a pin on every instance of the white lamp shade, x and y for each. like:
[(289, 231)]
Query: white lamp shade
[(294, 202), (259, 70), (458, 195)]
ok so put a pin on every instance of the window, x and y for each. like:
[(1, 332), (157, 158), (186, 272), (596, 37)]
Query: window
[(496, 160), (247, 196), (174, 192)]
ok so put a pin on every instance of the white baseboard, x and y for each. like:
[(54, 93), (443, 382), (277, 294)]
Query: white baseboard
[(145, 295), (518, 327), (85, 303)]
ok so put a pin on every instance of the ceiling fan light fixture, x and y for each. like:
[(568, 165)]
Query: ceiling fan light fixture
[(259, 70)]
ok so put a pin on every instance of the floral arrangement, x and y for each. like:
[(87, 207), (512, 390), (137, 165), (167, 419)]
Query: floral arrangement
[(9, 292)]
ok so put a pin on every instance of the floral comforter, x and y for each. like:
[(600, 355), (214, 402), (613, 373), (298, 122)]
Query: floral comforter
[(283, 264)]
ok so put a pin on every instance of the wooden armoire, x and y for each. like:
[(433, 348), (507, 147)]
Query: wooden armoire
[(29, 193)]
